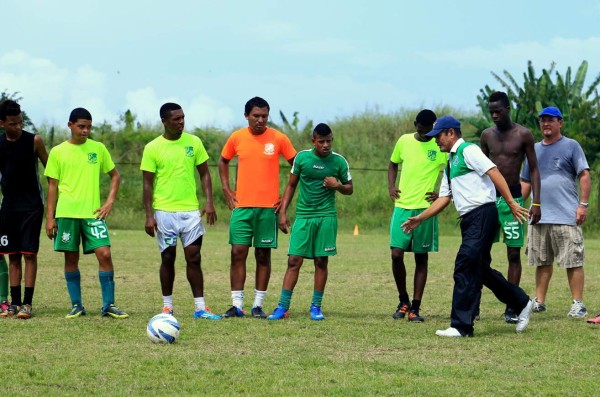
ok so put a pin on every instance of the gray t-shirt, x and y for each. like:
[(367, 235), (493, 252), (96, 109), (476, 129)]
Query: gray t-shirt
[(560, 164)]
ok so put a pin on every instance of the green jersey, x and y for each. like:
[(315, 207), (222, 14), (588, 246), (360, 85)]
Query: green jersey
[(314, 199), (174, 165), (77, 169), (421, 165)]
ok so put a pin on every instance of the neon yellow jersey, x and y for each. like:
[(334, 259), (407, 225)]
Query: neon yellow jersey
[(173, 164), (421, 165), (77, 169)]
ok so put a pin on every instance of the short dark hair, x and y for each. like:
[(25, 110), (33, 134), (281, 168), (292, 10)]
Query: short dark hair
[(322, 129), (79, 113), (167, 108), (501, 97), (426, 117), (256, 102), (9, 107)]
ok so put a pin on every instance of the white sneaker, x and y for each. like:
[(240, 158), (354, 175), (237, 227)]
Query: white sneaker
[(450, 332), (578, 310), (523, 320)]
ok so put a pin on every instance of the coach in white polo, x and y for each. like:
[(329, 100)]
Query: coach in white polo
[(471, 180)]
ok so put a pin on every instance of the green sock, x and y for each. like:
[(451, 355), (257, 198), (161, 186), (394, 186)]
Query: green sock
[(107, 285), (3, 279), (74, 286), (317, 298), (286, 298)]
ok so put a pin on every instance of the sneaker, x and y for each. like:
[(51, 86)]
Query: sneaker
[(451, 333), (167, 310), (595, 320), (413, 316), (523, 319), (538, 307), (401, 311), (257, 312), (76, 311), (206, 314), (510, 316), (25, 312), (4, 308), (578, 310), (13, 310), (316, 313), (114, 312), (279, 313), (234, 311)]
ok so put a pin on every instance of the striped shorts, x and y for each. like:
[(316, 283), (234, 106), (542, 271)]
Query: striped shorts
[(545, 242)]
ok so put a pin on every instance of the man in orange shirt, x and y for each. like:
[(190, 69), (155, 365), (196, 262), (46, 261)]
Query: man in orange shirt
[(255, 201)]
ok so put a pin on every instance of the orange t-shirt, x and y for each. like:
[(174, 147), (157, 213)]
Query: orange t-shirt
[(257, 182)]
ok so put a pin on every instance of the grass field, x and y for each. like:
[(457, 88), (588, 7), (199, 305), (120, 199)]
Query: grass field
[(358, 350)]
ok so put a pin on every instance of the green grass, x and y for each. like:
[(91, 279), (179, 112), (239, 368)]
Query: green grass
[(358, 350)]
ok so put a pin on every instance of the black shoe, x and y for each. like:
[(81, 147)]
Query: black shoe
[(510, 316), (414, 317), (257, 312), (401, 311), (234, 311)]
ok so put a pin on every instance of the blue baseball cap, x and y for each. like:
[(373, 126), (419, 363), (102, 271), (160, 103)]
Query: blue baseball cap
[(443, 123), (551, 111)]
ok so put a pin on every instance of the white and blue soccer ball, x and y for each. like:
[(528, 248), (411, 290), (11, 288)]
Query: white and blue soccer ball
[(163, 328)]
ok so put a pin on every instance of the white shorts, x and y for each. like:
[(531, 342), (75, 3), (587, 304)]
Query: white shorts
[(186, 225)]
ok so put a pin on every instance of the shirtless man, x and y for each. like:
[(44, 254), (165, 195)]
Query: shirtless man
[(507, 144)]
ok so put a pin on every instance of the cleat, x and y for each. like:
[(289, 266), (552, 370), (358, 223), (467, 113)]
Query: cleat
[(510, 316), (279, 313), (13, 310), (315, 313), (167, 310), (114, 312), (523, 319), (234, 311), (595, 320), (4, 308), (25, 312), (414, 317), (206, 314), (451, 333), (538, 307), (76, 311), (257, 312), (403, 308), (578, 310)]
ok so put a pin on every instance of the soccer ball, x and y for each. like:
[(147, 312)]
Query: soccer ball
[(163, 328)]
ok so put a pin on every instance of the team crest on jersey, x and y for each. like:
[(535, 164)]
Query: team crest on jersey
[(189, 151), (455, 160), (431, 155), (269, 149), (66, 237), (92, 158)]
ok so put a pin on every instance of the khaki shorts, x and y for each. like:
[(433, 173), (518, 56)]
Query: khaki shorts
[(546, 242)]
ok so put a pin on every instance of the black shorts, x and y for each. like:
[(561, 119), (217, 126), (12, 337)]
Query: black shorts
[(20, 231)]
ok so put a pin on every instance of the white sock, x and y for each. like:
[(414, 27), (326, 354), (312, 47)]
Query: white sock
[(237, 297), (168, 301), (259, 297), (199, 303)]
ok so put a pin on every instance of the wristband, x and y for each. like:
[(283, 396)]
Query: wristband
[(536, 205), (584, 205)]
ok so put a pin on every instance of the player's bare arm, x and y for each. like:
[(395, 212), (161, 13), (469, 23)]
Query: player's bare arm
[(230, 197), (51, 227), (585, 185), (115, 181), (288, 194), (392, 175), (148, 193), (209, 207)]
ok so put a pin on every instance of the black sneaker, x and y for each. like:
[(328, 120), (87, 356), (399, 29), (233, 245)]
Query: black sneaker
[(510, 316), (257, 312), (413, 316), (114, 312), (403, 308), (234, 311)]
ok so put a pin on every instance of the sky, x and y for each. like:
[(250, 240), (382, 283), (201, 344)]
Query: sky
[(323, 59)]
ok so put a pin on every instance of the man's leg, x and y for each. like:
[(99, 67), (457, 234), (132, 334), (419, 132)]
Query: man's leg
[(399, 272), (575, 275), (319, 288), (15, 270), (106, 275), (543, 274), (289, 282)]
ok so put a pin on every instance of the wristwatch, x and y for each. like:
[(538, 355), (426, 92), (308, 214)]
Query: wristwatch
[(584, 205)]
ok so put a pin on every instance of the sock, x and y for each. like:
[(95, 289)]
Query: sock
[(404, 298), (168, 301), (199, 303), (317, 298), (3, 279), (15, 293), (237, 297), (28, 297), (259, 297), (286, 298), (74, 287), (107, 285), (416, 305)]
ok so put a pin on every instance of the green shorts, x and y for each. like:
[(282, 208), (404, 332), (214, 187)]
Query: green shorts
[(512, 230), (93, 233), (421, 240), (314, 237), (255, 223)]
